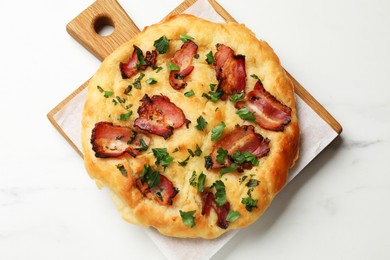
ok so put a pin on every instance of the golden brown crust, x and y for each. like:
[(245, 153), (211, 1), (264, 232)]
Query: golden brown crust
[(272, 170)]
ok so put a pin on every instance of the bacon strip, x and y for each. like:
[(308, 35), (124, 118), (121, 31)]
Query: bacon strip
[(230, 70), (162, 193), (130, 68), (183, 59), (159, 116), (241, 139), (269, 112), (208, 200), (109, 140)]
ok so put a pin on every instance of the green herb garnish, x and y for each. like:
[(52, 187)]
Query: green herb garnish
[(137, 81), (221, 154), (216, 132), (173, 67), (249, 203), (158, 69), (151, 81), (122, 169), (208, 162), (252, 183), (189, 93), (185, 37), (220, 195), (210, 58), (125, 116), (231, 168), (245, 156), (128, 89), (143, 147), (237, 97), (192, 179), (162, 157), (162, 44), (196, 56), (159, 196), (188, 218), (212, 87), (201, 181), (185, 162), (213, 96), (202, 123), (245, 114), (140, 57), (233, 216), (151, 176)]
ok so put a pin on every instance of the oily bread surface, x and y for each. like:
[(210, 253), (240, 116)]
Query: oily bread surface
[(272, 170)]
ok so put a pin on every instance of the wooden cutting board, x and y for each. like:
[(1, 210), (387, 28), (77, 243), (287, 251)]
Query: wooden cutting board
[(84, 28)]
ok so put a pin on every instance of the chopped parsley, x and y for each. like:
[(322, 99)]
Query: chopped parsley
[(137, 81), (162, 44), (237, 97), (106, 94), (256, 77), (151, 176), (201, 181), (197, 152), (143, 147), (125, 116), (210, 58), (202, 123), (233, 216), (231, 168), (151, 81), (188, 218), (243, 179), (185, 162), (162, 157), (192, 179), (208, 162), (249, 203), (189, 93), (245, 156), (128, 89), (122, 169), (132, 137), (173, 67), (216, 132), (212, 87), (220, 194), (196, 56), (185, 37), (159, 196), (221, 155), (140, 57), (157, 69), (252, 183), (245, 114), (213, 96)]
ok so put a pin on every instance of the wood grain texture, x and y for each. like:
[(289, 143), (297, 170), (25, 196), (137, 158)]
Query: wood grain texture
[(103, 12), (83, 29)]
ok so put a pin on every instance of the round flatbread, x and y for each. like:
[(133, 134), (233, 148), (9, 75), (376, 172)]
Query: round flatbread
[(193, 127)]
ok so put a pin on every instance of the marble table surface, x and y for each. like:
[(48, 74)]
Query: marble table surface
[(336, 208)]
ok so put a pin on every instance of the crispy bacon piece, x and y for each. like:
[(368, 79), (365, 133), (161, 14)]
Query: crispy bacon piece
[(162, 193), (183, 59), (130, 68), (241, 139), (230, 70), (159, 116), (109, 140), (208, 200), (269, 112)]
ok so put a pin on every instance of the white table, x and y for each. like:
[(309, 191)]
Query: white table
[(337, 208)]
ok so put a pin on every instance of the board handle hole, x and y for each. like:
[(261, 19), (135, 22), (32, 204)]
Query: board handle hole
[(104, 26)]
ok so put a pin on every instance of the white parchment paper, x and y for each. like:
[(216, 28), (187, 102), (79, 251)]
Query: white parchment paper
[(316, 134)]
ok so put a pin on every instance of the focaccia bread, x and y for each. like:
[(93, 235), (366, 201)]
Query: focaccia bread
[(193, 127)]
